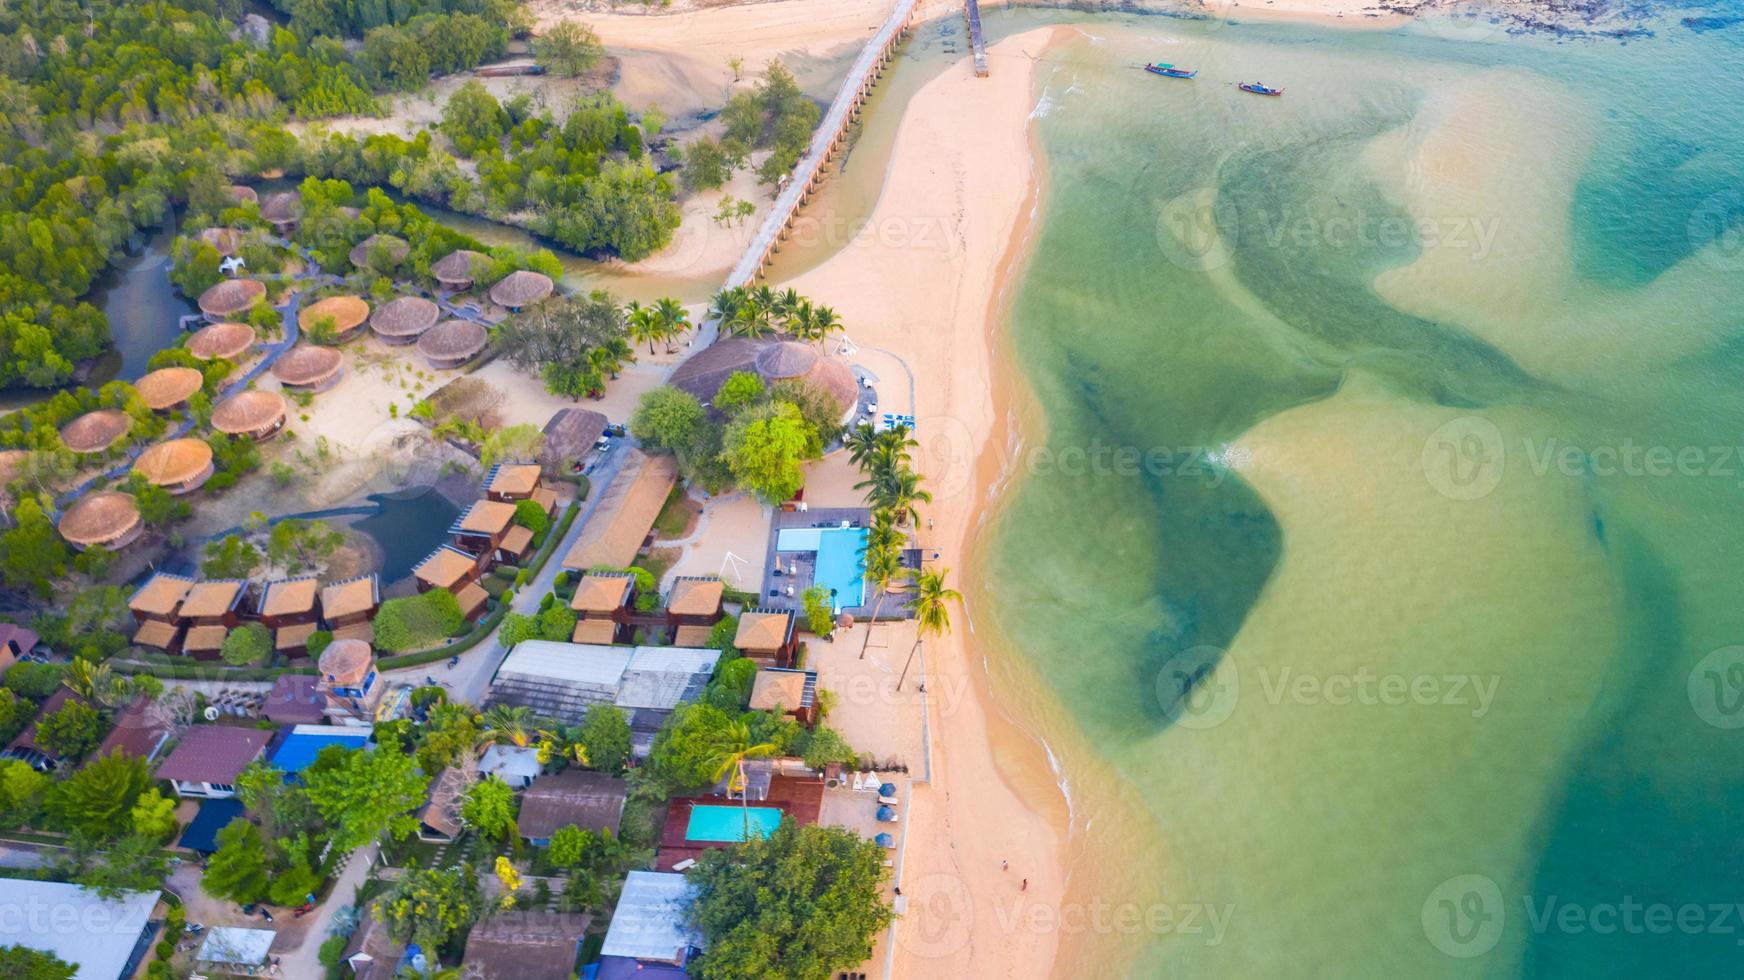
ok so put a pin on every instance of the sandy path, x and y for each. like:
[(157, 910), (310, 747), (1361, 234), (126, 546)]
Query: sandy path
[(961, 183)]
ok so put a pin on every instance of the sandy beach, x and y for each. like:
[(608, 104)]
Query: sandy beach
[(924, 284)]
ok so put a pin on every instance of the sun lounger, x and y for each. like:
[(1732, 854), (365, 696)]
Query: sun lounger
[(889, 800), (684, 865)]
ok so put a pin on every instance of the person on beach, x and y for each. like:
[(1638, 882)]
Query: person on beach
[(1005, 865), (1025, 886)]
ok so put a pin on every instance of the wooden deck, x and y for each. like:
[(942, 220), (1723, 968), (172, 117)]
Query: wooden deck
[(800, 800)]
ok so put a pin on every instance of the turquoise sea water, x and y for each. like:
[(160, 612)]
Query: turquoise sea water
[(727, 823), (1396, 423)]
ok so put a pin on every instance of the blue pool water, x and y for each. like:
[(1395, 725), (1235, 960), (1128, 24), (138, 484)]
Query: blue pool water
[(841, 565), (727, 823)]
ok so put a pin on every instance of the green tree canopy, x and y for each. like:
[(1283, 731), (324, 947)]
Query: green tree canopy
[(428, 906), (73, 731), (605, 735), (20, 962), (237, 871), (489, 809), (362, 795), (568, 48), (248, 645), (98, 798), (766, 448)]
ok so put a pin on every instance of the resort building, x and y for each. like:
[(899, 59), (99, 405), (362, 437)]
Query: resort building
[(570, 435), (451, 343), (517, 765), (215, 602), (224, 241), (603, 602), (404, 320), (107, 519), (169, 388), (179, 466), (231, 299), (289, 607), (450, 568), (371, 953), (693, 607), (563, 680), (782, 689), (349, 607), (101, 938), (512, 483), (258, 414), (768, 636), (593, 801), (624, 516), (295, 699), (206, 762), (347, 313), (156, 607), (15, 642), (226, 341), (95, 432), (487, 528), (298, 748), (243, 194), (348, 682), (308, 367), (235, 951), (439, 817), (138, 732), (380, 253), (458, 270), (523, 945), (650, 928), (520, 289), (204, 642), (775, 361), (282, 210), (25, 747)]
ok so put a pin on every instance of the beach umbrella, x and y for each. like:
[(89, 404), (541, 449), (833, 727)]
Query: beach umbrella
[(884, 840), (887, 789), (886, 815), (845, 621)]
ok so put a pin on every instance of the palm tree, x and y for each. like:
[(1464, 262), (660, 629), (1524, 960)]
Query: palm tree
[(898, 491), (787, 303), (725, 305), (932, 613), (824, 323), (671, 319), (91, 681), (642, 326), (860, 442), (890, 449), (799, 320), (509, 725), (883, 561), (728, 749)]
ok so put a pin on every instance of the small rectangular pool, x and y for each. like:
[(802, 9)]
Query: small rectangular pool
[(727, 823)]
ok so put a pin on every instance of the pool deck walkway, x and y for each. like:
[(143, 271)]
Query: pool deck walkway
[(799, 799), (774, 594)]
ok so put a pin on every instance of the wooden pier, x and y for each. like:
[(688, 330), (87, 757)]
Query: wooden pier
[(977, 40)]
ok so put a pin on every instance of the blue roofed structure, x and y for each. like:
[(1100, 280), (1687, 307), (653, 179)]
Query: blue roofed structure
[(298, 749)]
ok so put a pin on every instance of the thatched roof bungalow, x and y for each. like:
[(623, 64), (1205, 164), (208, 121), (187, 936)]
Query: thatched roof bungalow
[(231, 298), (389, 250), (222, 341), (458, 270), (282, 209), (625, 513), (570, 435), (108, 519), (93, 432), (224, 241), (258, 414), (348, 313), (452, 343), (772, 360), (168, 388), (308, 367), (243, 194), (521, 288), (404, 320), (179, 465)]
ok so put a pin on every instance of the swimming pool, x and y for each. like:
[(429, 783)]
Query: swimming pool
[(727, 823), (841, 565)]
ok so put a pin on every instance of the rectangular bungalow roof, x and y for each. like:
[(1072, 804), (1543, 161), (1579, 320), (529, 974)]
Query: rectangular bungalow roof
[(236, 945), (777, 688), (371, 953), (213, 754), (517, 540), (352, 596), (362, 631), (625, 513), (160, 595), (441, 809), (445, 567), (599, 632), (512, 479), (693, 636), (305, 742), (524, 945), (93, 952), (510, 761), (137, 732), (545, 497), (205, 639), (287, 597), (156, 633), (471, 598), (662, 678), (293, 637), (589, 800), (602, 592), (694, 595), (486, 517), (25, 743), (764, 629), (652, 920), (218, 597)]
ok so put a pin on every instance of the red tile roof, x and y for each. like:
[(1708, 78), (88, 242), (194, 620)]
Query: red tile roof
[(213, 754)]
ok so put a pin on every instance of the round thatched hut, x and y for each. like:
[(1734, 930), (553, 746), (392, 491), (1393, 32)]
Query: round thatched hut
[(257, 414), (167, 388), (225, 241), (243, 194), (282, 209), (308, 367), (179, 466), (388, 249), (452, 343), (404, 320), (349, 313), (108, 519), (521, 288), (231, 298), (96, 431), (457, 270), (703, 373), (221, 341), (345, 663)]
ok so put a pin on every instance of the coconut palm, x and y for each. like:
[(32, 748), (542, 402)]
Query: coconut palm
[(897, 490), (860, 442), (728, 748), (725, 305), (787, 303), (799, 320), (92, 681), (671, 319), (824, 323), (883, 561), (640, 322), (504, 724), (932, 613)]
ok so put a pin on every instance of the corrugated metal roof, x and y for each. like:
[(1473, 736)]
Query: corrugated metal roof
[(651, 921)]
